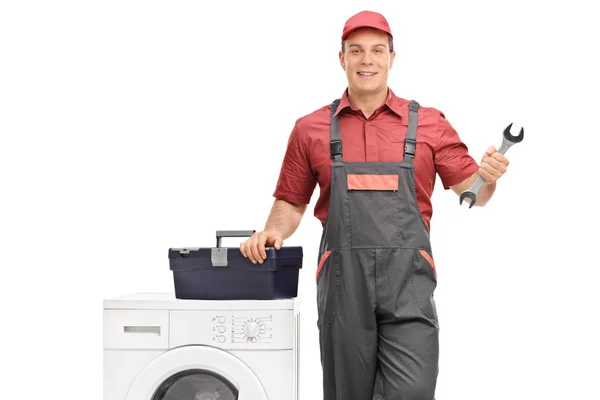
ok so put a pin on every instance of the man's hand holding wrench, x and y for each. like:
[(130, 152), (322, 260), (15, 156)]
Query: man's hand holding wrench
[(493, 165)]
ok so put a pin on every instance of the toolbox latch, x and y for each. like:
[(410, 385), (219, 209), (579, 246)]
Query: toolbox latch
[(218, 256), (185, 252)]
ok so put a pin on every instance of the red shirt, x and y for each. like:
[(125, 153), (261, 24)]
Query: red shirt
[(307, 160)]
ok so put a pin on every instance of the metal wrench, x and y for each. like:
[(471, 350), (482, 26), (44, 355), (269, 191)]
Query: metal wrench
[(507, 141)]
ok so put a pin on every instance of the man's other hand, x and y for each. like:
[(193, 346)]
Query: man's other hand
[(493, 165), (254, 247)]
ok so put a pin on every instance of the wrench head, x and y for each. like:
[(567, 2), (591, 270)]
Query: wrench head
[(468, 195), (511, 138)]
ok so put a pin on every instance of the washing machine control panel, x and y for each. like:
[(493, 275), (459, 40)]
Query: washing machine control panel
[(243, 328), (233, 329)]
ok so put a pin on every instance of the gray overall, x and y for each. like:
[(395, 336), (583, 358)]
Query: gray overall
[(377, 320)]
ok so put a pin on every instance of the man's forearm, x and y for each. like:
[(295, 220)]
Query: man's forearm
[(485, 194), (285, 218)]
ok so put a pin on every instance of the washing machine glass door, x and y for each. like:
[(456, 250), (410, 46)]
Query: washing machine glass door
[(196, 373), (197, 385)]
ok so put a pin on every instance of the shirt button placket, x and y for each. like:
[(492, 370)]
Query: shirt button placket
[(371, 142)]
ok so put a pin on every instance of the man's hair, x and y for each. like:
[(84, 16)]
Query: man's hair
[(391, 43)]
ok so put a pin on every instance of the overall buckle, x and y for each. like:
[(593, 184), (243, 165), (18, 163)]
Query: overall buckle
[(410, 147), (335, 147)]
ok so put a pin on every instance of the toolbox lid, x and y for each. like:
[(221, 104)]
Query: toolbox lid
[(198, 257), (186, 258)]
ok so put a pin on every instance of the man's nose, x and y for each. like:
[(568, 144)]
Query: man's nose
[(366, 58)]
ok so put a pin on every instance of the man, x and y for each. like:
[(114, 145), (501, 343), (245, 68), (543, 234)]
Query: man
[(375, 157)]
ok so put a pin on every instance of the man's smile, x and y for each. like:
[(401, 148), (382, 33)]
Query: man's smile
[(366, 74)]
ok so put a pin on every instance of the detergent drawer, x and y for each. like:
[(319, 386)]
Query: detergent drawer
[(136, 329), (223, 273)]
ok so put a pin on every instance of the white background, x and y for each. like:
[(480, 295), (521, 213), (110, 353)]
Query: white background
[(129, 127)]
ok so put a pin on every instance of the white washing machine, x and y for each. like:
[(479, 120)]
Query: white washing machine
[(157, 347)]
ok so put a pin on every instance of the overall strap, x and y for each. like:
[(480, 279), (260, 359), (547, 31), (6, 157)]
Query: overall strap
[(410, 143), (335, 145)]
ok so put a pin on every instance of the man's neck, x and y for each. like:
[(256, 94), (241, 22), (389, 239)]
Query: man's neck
[(367, 102)]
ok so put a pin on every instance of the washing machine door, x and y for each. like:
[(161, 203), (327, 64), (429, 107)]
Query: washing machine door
[(197, 373)]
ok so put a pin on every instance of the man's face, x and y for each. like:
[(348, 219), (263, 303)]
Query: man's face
[(367, 60)]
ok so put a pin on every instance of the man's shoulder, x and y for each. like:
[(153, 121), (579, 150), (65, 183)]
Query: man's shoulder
[(426, 110), (434, 120), (318, 117), (431, 115), (426, 113)]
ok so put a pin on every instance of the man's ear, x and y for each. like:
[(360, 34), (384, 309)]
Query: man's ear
[(342, 60), (392, 57)]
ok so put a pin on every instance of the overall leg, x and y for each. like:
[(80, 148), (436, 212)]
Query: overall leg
[(408, 327), (349, 335)]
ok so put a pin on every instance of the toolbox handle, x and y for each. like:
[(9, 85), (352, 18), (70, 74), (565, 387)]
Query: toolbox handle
[(221, 234)]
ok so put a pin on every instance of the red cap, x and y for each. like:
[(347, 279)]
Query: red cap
[(366, 19)]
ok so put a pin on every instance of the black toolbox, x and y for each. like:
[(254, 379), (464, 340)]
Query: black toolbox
[(223, 273)]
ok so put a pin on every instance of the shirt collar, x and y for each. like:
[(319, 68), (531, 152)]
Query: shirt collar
[(392, 101)]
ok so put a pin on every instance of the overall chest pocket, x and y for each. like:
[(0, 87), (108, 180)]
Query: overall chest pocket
[(373, 208)]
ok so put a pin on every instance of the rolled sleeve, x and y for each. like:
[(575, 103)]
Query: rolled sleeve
[(296, 182), (453, 163)]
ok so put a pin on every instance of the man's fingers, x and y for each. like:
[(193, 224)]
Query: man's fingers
[(494, 164), (243, 248), (278, 243), (248, 247), (486, 175), (490, 150), (262, 239), (489, 173), (255, 249), (500, 158), (491, 170)]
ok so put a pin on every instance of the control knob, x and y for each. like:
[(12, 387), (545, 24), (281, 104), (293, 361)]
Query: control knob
[(252, 329)]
